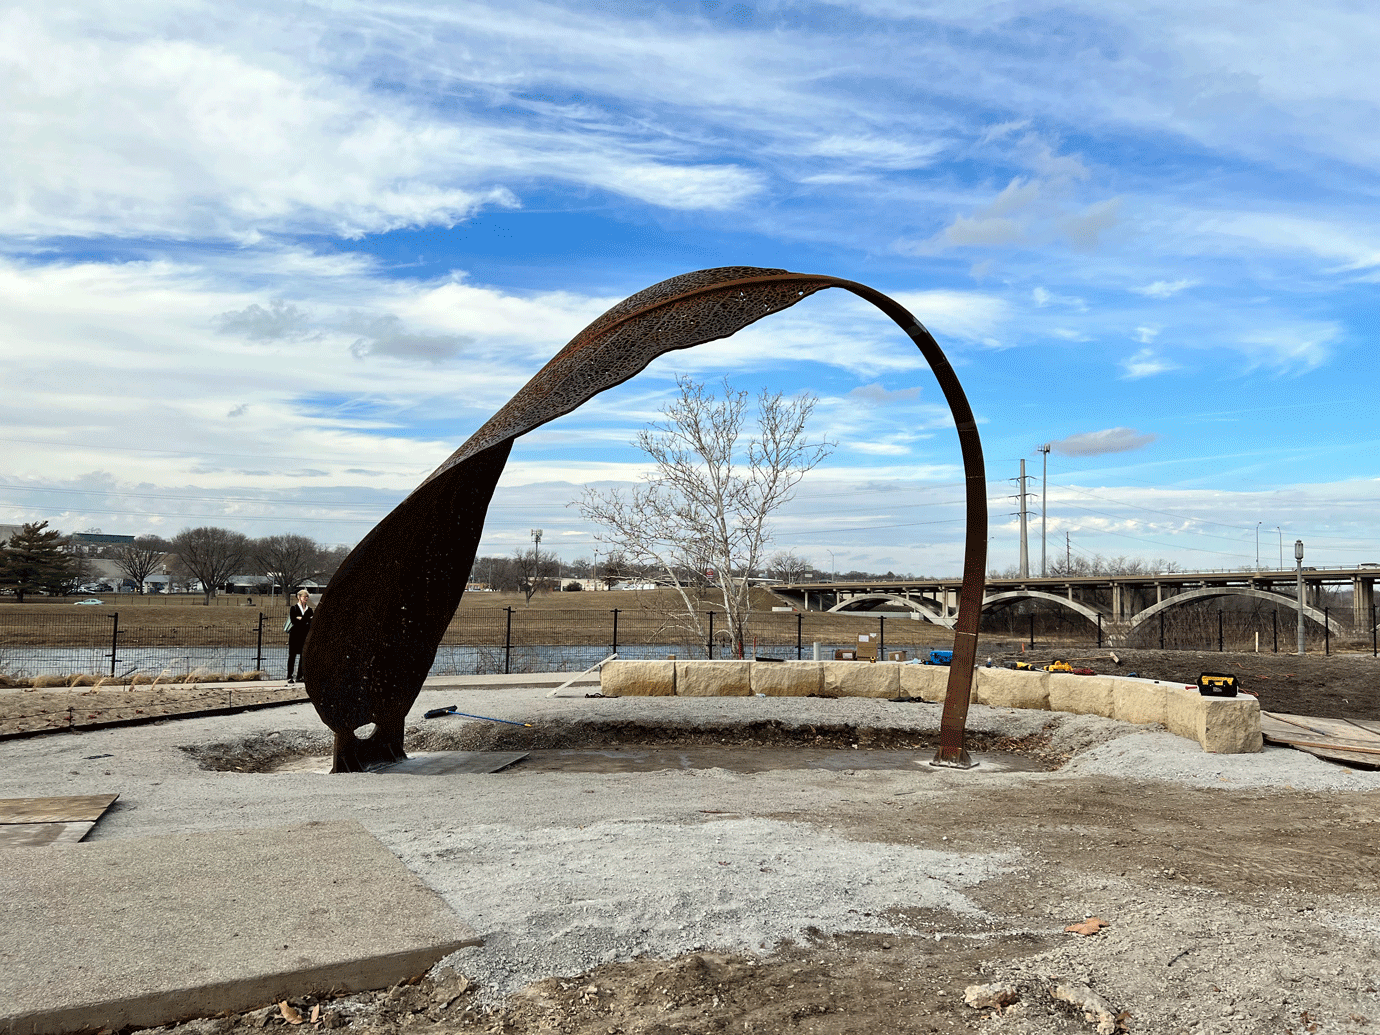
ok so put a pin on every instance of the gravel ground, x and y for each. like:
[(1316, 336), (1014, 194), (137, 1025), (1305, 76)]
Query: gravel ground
[(1240, 890)]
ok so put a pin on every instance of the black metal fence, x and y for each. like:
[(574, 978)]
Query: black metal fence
[(132, 644)]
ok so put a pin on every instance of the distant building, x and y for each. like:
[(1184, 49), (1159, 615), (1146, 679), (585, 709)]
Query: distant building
[(99, 539)]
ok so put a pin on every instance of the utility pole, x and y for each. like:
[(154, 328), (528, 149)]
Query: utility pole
[(1044, 506), (1298, 573), (1068, 555), (536, 554), (1025, 549)]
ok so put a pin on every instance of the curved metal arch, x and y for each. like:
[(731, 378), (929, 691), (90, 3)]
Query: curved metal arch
[(924, 612), (1208, 592), (1013, 595), (386, 609)]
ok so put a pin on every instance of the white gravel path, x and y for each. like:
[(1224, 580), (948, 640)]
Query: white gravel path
[(563, 871)]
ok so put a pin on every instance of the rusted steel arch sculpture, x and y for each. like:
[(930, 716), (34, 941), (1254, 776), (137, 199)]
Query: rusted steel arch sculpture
[(375, 634)]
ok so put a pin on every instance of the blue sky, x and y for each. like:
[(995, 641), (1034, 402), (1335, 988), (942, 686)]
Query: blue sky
[(266, 265)]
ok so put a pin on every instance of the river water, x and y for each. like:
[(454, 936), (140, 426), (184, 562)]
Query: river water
[(27, 662)]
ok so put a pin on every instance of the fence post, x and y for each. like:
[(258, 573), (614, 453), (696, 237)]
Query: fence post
[(508, 642), (114, 640), (1032, 632), (614, 649), (1327, 631), (1099, 631), (710, 651), (1161, 630), (1274, 621), (881, 637), (1374, 647), (259, 651), (1219, 630), (799, 626)]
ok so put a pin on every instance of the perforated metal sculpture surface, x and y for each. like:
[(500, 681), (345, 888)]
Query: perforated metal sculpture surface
[(375, 634)]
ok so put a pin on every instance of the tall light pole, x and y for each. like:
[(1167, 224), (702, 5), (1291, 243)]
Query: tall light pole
[(833, 570), (1044, 505), (1281, 547), (536, 554), (1257, 546), (1298, 572)]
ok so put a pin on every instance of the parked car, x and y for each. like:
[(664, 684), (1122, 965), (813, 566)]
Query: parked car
[(91, 602)]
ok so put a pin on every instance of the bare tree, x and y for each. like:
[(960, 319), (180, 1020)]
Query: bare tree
[(787, 566), (533, 569), (289, 560), (142, 558), (210, 554), (704, 510)]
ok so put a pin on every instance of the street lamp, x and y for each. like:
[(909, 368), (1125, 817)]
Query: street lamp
[(1298, 565), (833, 569), (1257, 546), (1281, 547)]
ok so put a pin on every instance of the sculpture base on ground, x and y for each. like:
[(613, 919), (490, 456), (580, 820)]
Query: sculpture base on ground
[(353, 755), (958, 761)]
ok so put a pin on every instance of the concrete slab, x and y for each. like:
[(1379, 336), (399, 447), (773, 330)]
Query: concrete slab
[(147, 931)]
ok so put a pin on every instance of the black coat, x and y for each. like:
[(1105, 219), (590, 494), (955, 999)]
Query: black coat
[(301, 625)]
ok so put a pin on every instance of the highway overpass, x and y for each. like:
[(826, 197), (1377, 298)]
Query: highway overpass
[(1122, 602)]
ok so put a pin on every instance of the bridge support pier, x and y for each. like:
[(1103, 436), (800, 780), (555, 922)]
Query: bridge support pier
[(1362, 600)]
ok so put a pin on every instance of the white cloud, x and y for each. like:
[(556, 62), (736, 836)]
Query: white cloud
[(1164, 288), (1294, 347), (1145, 363), (1097, 443), (1145, 335), (1350, 248), (1043, 297), (969, 315)]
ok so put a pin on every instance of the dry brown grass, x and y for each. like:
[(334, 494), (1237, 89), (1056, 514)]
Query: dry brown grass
[(576, 619)]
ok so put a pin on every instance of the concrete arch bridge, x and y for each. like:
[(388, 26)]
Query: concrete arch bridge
[(1122, 602)]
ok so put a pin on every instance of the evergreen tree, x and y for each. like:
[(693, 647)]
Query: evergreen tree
[(36, 561)]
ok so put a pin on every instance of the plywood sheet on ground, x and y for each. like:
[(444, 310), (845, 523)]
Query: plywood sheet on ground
[(34, 822), (1338, 740), (451, 763), (226, 920)]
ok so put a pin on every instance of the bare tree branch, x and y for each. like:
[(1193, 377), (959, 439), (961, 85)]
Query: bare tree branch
[(701, 518), (210, 554), (142, 558)]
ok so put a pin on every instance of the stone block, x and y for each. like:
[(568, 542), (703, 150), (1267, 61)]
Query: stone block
[(861, 679), (638, 679), (927, 682), (1140, 703), (1222, 725), (713, 678), (787, 679), (1010, 688), (1081, 695)]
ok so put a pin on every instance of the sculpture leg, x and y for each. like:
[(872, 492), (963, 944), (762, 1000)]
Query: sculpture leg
[(384, 745)]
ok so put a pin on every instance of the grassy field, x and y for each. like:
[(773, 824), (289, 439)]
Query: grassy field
[(644, 617)]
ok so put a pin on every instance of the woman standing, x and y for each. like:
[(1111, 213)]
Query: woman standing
[(300, 615)]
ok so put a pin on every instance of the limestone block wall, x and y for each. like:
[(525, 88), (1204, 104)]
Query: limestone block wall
[(1225, 725)]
